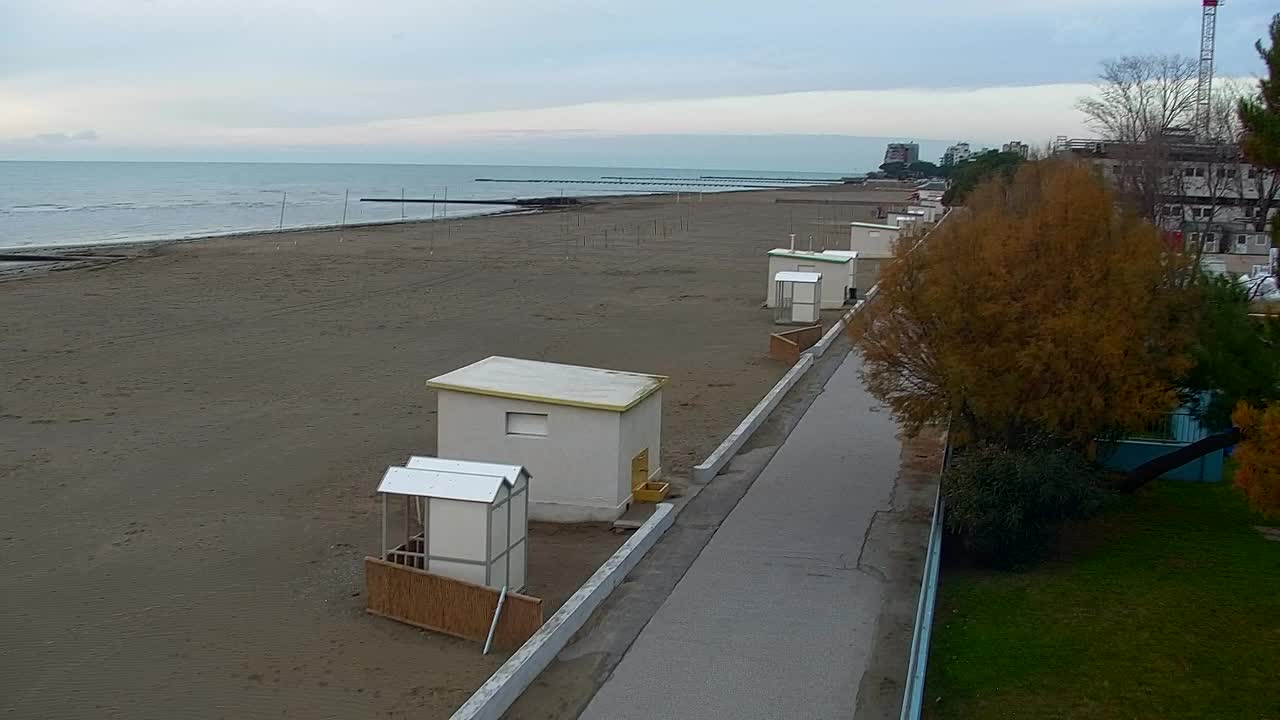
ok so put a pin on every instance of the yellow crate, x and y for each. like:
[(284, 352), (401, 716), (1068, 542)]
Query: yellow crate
[(652, 492)]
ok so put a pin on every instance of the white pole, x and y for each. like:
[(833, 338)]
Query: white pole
[(793, 242), (493, 627)]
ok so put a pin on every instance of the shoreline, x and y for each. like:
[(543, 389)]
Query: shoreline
[(583, 200), (144, 243)]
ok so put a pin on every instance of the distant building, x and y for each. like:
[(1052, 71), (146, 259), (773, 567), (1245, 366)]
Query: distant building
[(1209, 197), (905, 153), (1018, 147), (956, 154)]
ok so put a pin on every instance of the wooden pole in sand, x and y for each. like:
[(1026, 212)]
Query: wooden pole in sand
[(284, 196), (343, 232)]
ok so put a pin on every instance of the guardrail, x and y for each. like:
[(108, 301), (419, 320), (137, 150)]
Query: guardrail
[(913, 693)]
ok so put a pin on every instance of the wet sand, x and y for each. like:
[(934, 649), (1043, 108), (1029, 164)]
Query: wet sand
[(189, 440)]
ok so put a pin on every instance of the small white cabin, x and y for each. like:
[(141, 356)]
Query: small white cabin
[(797, 298), (927, 213), (464, 520), (836, 272), (591, 436), (873, 239), (852, 284)]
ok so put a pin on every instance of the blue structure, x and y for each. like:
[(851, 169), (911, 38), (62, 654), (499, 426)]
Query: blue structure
[(1128, 454), (1174, 431)]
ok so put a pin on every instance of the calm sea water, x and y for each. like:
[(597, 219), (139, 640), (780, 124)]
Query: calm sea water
[(73, 203)]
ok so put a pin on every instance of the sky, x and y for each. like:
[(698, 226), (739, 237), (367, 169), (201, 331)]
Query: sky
[(746, 84)]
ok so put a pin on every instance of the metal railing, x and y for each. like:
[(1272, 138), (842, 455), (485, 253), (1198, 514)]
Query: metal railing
[(1178, 427), (913, 693)]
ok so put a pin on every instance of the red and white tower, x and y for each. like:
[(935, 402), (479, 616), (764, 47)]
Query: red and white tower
[(1204, 89)]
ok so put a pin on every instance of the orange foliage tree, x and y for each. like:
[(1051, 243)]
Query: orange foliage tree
[(1040, 307), (1258, 456)]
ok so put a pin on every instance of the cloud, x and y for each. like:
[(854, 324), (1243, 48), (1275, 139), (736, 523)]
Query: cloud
[(60, 138), (987, 115), (331, 73)]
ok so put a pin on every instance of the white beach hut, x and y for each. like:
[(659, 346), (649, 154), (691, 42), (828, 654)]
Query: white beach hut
[(836, 271), (464, 520), (796, 297), (591, 436), (851, 284), (927, 213), (873, 239)]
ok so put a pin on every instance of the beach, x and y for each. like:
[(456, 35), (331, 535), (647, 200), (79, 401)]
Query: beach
[(190, 437)]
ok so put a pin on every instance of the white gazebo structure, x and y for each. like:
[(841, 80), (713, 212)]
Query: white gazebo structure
[(591, 436), (796, 296), (836, 271), (463, 520)]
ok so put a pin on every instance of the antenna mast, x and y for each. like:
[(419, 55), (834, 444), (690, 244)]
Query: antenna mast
[(1204, 89)]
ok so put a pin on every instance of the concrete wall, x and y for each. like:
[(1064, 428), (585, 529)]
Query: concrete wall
[(872, 242), (835, 278), (1129, 454), (641, 428), (574, 467)]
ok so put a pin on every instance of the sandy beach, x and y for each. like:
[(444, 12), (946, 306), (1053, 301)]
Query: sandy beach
[(189, 439)]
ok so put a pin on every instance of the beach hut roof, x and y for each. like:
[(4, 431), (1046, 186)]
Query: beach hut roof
[(798, 277), (552, 383), (444, 484), (800, 255)]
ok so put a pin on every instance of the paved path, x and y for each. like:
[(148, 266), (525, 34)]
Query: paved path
[(777, 617)]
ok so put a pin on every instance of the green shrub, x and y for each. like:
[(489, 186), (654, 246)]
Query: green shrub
[(1005, 505)]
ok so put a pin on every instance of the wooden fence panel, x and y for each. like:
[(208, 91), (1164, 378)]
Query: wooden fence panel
[(787, 346), (446, 605)]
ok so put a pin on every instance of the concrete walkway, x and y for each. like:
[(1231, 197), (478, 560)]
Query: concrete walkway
[(778, 616)]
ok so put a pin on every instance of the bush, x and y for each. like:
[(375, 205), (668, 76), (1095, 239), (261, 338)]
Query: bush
[(1006, 504)]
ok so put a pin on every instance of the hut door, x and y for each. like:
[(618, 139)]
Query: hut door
[(640, 470)]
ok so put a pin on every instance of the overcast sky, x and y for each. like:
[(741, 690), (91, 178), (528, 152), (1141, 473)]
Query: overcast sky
[(525, 81)]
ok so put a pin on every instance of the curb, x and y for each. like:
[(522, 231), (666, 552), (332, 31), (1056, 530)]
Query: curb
[(709, 468)]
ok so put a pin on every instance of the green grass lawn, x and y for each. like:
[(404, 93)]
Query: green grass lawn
[(1167, 606)]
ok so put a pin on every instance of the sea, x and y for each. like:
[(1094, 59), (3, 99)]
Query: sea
[(60, 204)]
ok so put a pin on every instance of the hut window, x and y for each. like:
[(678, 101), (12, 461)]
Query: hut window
[(526, 424)]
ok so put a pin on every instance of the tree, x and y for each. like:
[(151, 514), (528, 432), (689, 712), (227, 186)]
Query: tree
[(894, 169), (969, 174), (1236, 357), (1260, 119), (924, 169), (1143, 104), (1258, 457), (1041, 308)]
